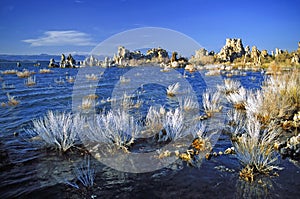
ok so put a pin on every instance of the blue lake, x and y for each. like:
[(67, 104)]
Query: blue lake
[(29, 171)]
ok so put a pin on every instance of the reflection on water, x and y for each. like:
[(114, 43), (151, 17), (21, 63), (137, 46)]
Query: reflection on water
[(29, 170)]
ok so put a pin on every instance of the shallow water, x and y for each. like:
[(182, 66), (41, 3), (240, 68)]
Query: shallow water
[(31, 171)]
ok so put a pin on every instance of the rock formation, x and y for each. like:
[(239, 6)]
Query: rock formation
[(232, 49), (278, 51), (174, 57), (247, 51), (295, 59), (125, 57), (70, 61), (53, 64), (157, 54), (264, 53), (203, 57), (255, 55), (67, 63)]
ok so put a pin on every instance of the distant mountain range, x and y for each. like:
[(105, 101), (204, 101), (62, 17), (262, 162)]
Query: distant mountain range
[(41, 57)]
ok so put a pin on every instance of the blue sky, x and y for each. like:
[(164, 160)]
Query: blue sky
[(59, 26)]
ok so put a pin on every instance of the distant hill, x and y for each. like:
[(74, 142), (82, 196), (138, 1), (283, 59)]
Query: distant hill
[(41, 57)]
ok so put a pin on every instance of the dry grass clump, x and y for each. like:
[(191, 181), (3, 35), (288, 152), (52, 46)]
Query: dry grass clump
[(7, 86), (87, 103), (230, 86), (59, 81), (9, 72), (70, 79), (173, 89), (189, 104), (115, 127), (154, 119), (238, 99), (24, 73), (173, 126), (92, 96), (255, 132), (12, 101), (255, 148), (91, 77), (211, 102), (213, 73), (124, 80), (58, 130), (45, 70), (30, 81), (127, 102), (281, 96)]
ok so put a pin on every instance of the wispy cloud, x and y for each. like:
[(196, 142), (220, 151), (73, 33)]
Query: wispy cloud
[(62, 38)]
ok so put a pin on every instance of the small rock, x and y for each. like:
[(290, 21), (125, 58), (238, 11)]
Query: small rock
[(208, 156)]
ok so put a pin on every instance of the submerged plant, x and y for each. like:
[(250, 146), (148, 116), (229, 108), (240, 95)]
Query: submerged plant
[(85, 174), (58, 130)]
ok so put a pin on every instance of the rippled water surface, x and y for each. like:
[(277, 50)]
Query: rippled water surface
[(28, 170)]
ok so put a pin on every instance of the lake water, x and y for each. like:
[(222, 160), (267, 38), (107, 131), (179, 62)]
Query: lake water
[(29, 171)]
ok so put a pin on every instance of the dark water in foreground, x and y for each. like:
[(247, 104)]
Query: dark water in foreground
[(30, 171)]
